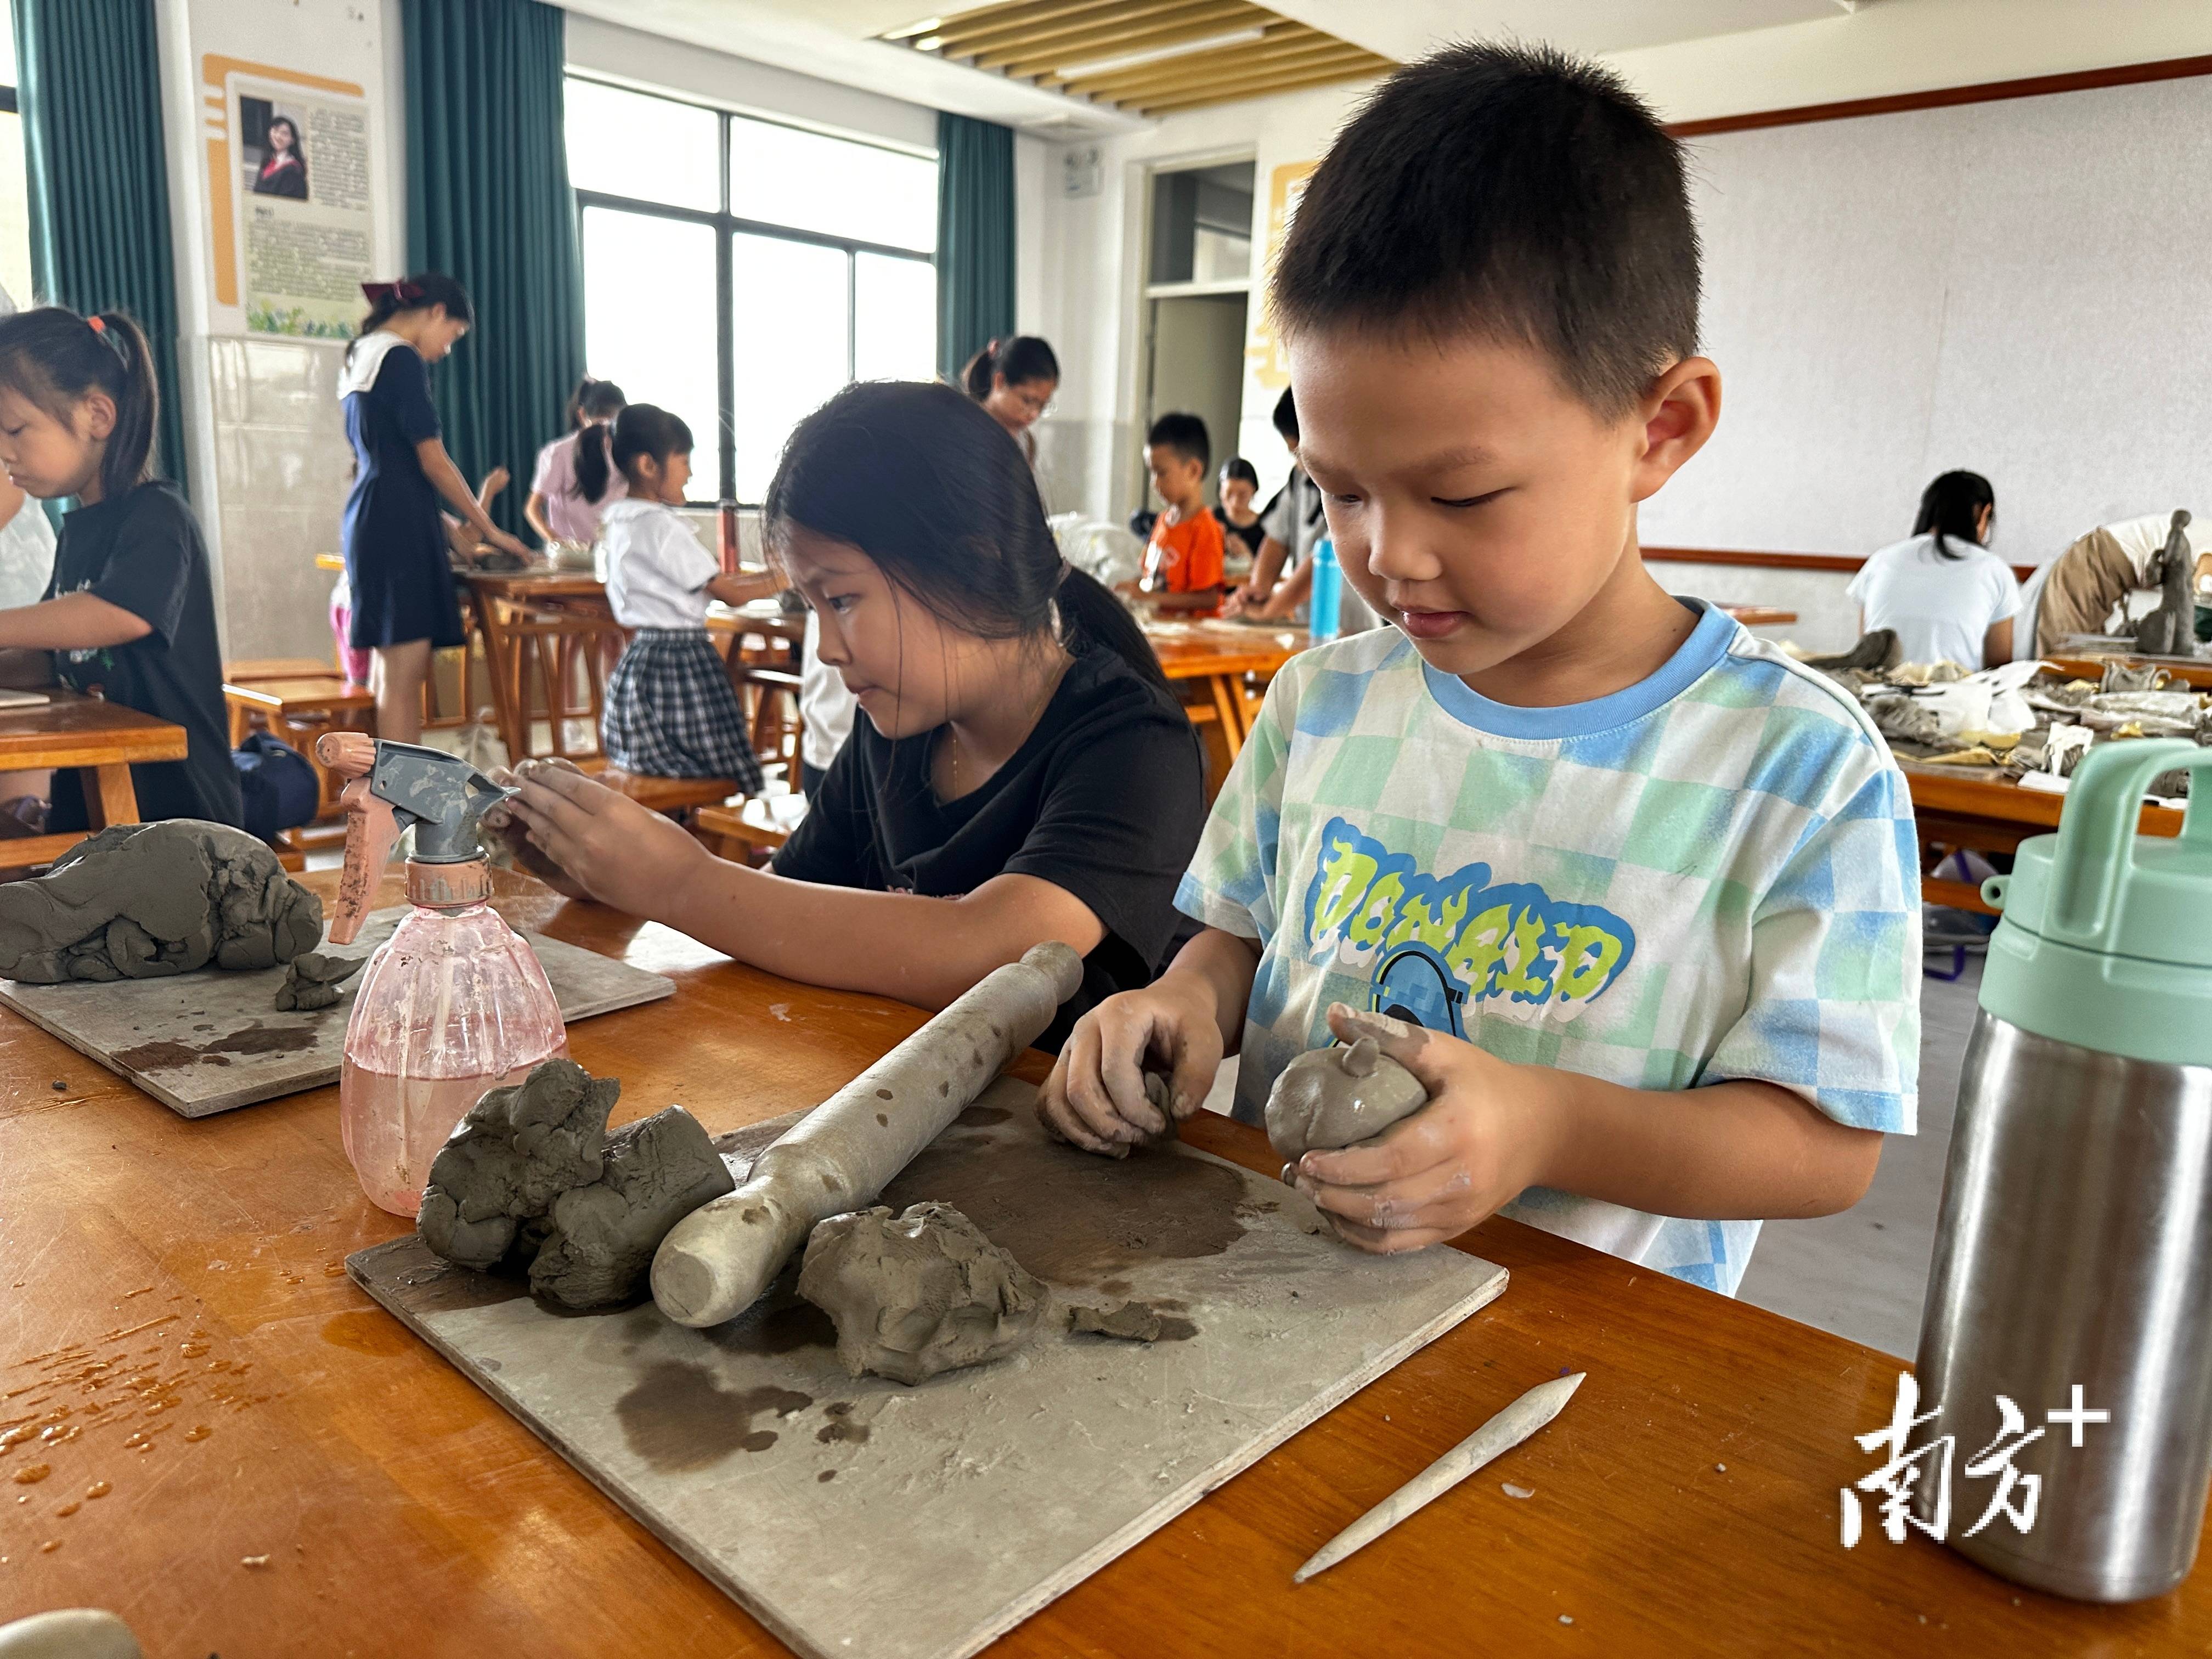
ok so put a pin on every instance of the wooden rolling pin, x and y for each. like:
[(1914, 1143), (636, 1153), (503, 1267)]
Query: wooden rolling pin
[(716, 1261)]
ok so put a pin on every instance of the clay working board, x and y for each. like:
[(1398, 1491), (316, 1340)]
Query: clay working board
[(867, 1517), (205, 1042)]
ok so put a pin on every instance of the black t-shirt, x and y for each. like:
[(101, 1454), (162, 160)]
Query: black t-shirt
[(1105, 799), (1250, 534), (142, 552)]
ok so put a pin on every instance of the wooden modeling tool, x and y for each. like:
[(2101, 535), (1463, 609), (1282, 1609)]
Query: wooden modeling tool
[(1501, 1434)]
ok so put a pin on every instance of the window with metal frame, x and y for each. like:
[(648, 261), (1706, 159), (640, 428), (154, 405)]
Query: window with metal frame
[(738, 272)]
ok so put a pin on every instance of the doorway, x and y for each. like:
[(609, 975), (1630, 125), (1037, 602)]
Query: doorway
[(1199, 274)]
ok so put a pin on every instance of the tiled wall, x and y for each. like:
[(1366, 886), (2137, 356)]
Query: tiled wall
[(281, 469)]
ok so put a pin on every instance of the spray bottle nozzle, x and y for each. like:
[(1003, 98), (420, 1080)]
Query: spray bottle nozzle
[(395, 786)]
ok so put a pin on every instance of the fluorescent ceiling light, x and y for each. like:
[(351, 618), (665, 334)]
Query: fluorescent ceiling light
[(1159, 54)]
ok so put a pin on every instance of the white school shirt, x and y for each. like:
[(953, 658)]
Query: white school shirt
[(1940, 608), (657, 569), (825, 706)]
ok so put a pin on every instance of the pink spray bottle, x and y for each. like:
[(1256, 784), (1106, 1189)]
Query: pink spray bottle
[(455, 1003)]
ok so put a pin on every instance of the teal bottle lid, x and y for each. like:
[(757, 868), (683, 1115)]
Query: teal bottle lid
[(2106, 936)]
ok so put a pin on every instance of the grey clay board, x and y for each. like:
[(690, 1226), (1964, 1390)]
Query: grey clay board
[(205, 1042), (866, 1518)]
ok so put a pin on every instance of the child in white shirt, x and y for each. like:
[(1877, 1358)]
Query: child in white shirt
[(671, 710)]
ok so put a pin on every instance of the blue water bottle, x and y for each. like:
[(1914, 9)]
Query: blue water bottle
[(1325, 601)]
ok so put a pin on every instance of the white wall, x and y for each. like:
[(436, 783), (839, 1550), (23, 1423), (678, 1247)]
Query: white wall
[(2013, 288), (268, 461)]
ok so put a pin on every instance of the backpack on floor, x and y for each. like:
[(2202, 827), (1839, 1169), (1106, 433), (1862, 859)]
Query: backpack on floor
[(276, 784)]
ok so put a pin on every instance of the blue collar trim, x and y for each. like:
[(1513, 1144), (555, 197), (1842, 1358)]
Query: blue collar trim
[(1707, 644)]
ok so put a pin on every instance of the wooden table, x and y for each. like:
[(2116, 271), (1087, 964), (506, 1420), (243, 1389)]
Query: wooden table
[(2196, 673), (103, 739), (1684, 1503), (1213, 658), (1760, 616), (1974, 809)]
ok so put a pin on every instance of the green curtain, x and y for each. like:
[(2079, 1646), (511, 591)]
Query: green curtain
[(975, 237), (89, 82), (488, 204)]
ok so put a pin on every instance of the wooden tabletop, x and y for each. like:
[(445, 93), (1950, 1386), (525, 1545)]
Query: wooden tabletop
[(72, 730), (315, 1481), (1192, 650), (1760, 616), (2089, 666), (1977, 793)]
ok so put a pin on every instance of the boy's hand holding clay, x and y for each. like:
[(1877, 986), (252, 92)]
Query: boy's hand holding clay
[(1477, 1144)]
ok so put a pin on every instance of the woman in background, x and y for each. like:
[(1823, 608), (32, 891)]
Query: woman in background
[(556, 508), (1014, 381), (1945, 596), (284, 169), (396, 569)]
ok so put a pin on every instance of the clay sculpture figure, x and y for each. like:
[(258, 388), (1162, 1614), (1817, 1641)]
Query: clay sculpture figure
[(716, 1261), (2171, 630), (919, 1294), (145, 900), (531, 1180), (1333, 1097), (312, 979)]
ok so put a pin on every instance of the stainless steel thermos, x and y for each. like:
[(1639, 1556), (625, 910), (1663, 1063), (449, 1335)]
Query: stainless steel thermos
[(2073, 1266)]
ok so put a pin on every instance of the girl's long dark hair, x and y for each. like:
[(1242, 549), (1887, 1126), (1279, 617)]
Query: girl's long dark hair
[(934, 491), (1952, 506), (594, 400), (416, 293), (640, 429), (55, 358), (1021, 359)]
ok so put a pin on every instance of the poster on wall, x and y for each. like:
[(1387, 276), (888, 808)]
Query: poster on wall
[(290, 191), (1287, 185)]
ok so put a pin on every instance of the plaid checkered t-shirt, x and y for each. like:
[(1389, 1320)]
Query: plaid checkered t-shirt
[(1710, 875)]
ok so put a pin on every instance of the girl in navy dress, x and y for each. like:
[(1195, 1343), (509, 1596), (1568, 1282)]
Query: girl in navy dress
[(403, 605)]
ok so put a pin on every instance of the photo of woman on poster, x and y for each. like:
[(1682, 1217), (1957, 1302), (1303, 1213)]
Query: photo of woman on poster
[(284, 167)]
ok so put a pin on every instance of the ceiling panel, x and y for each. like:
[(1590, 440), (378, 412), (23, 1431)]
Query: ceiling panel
[(1405, 29)]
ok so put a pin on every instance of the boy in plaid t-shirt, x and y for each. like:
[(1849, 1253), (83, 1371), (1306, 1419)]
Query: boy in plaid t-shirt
[(1632, 893)]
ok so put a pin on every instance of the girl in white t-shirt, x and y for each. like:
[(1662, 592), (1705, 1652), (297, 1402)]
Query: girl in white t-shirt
[(670, 711), (1946, 597)]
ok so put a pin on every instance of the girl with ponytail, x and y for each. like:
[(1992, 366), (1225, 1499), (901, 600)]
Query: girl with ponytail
[(397, 570), (1014, 379), (129, 610), (556, 509), (1023, 772)]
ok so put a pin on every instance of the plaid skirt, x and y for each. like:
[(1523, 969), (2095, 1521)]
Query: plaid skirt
[(671, 712)]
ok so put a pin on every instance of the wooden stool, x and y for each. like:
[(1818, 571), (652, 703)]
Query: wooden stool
[(776, 724), (297, 712), (254, 670), (676, 798), (742, 832)]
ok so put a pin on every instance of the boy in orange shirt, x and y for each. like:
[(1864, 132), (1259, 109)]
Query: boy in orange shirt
[(1182, 562)]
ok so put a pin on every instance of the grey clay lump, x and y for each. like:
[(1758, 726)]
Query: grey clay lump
[(1333, 1097), (531, 1179), (315, 979), (146, 900), (919, 1294)]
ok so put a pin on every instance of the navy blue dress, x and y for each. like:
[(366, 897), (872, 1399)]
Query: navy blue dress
[(394, 539)]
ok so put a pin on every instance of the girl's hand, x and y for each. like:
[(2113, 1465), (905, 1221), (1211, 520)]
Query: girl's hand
[(615, 851), (506, 543), (1479, 1142), (511, 837), (1095, 1097)]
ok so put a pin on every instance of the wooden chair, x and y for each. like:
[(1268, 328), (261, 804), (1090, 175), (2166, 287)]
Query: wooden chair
[(253, 670), (742, 832), (299, 711), (676, 798), (771, 696), (549, 643)]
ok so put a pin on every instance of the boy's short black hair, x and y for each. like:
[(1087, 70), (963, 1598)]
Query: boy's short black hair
[(1286, 416), (1512, 191), (1183, 434)]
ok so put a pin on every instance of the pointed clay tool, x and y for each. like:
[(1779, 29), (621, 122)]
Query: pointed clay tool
[(1501, 1434)]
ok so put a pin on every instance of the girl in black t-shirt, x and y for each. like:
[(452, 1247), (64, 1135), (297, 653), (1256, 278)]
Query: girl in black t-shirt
[(129, 610), (1023, 773), (1239, 483)]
